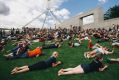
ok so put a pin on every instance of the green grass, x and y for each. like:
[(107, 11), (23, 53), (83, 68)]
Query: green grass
[(70, 57)]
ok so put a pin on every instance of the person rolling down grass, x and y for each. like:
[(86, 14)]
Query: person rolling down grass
[(50, 62), (100, 50), (95, 65)]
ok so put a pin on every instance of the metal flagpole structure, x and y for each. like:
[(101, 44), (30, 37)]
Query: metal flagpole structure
[(44, 20), (34, 19), (54, 16), (59, 14), (48, 10)]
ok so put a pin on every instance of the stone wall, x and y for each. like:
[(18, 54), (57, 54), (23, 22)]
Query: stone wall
[(99, 21), (104, 24)]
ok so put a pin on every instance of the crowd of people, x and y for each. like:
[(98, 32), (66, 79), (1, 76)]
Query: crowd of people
[(55, 37)]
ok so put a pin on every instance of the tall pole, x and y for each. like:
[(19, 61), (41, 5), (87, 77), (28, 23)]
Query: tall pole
[(44, 20), (48, 10), (33, 19), (54, 16)]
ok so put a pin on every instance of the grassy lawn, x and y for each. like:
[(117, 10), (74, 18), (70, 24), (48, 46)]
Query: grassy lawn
[(70, 57)]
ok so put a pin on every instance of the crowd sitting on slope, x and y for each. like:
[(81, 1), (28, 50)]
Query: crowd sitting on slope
[(75, 38)]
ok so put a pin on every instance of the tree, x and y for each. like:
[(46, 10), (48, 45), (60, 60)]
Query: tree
[(113, 12)]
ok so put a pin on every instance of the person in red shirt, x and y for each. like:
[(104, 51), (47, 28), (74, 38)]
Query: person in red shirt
[(32, 53), (90, 44), (36, 52)]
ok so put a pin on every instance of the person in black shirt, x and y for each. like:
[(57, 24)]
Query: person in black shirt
[(50, 62), (95, 65)]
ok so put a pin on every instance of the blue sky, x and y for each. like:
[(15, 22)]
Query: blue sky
[(77, 6)]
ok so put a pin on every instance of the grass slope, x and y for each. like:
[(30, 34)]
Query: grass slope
[(70, 57)]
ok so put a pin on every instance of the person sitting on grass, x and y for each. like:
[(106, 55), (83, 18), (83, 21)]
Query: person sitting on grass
[(50, 62), (90, 44), (95, 65)]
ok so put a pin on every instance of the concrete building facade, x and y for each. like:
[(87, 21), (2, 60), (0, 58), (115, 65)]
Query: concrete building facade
[(94, 19)]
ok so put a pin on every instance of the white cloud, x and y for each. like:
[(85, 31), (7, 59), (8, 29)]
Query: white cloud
[(22, 11), (102, 1), (62, 14)]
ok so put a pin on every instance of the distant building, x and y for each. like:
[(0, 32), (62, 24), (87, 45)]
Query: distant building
[(91, 19)]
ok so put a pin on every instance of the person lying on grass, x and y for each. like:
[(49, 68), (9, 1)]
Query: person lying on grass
[(93, 46), (2, 44), (51, 46), (20, 49), (98, 50), (30, 53), (115, 43), (111, 60), (72, 44), (95, 65), (50, 62)]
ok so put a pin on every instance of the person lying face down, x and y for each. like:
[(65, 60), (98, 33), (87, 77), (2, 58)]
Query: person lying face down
[(95, 65), (50, 46), (50, 62)]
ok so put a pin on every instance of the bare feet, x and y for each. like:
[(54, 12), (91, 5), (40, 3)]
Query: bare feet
[(13, 72), (60, 72), (85, 55), (15, 69)]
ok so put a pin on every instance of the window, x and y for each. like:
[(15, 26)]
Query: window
[(88, 19)]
